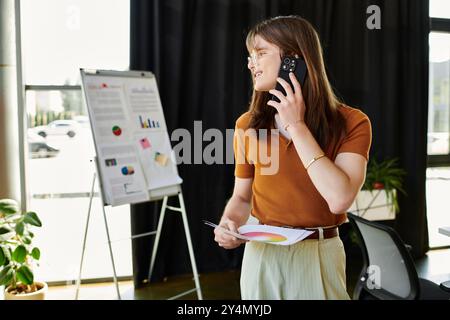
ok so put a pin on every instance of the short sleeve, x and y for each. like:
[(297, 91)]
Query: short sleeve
[(243, 168), (359, 135)]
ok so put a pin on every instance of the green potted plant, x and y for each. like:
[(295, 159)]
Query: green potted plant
[(378, 198), (17, 253)]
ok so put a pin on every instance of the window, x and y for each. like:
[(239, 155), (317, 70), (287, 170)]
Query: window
[(438, 173), (439, 94), (440, 9), (58, 38)]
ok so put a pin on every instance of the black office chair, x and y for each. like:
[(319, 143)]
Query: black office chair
[(388, 270)]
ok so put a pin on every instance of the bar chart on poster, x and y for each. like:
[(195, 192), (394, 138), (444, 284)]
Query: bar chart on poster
[(134, 155)]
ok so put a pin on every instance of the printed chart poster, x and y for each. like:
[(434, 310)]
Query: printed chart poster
[(157, 160), (130, 133), (145, 106), (123, 179), (108, 111), (120, 170)]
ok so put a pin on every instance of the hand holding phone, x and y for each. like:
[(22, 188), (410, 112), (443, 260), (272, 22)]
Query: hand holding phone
[(291, 64)]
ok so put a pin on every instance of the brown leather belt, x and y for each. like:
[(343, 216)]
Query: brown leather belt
[(327, 233)]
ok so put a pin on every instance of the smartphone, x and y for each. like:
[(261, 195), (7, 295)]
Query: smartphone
[(291, 64)]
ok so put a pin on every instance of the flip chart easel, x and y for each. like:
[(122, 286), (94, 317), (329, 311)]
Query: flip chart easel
[(128, 103)]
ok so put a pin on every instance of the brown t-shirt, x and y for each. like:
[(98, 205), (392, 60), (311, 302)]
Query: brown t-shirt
[(287, 196)]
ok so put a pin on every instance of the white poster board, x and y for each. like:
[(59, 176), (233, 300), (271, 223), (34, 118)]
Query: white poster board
[(134, 156)]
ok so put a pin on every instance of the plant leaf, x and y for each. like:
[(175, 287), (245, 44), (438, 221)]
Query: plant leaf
[(20, 227), (8, 206), (6, 275), (25, 275), (7, 253), (4, 230), (2, 257), (33, 219), (19, 254), (36, 253)]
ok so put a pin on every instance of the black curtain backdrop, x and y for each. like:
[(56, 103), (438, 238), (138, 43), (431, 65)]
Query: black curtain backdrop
[(197, 51)]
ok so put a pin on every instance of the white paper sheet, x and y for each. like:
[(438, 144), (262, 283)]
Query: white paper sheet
[(122, 176), (151, 136), (268, 234)]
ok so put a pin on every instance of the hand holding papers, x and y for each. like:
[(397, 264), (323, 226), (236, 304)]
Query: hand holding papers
[(267, 234), (234, 234)]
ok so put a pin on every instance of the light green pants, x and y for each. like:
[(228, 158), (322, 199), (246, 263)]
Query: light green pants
[(309, 269)]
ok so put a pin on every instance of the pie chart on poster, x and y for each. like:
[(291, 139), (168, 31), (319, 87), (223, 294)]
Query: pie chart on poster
[(265, 236), (128, 170), (116, 130)]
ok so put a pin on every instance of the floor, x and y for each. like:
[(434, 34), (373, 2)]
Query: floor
[(215, 286), (435, 266)]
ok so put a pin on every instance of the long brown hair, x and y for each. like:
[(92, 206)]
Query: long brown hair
[(294, 35)]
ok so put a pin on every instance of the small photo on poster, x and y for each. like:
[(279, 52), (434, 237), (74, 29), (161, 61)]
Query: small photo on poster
[(145, 143)]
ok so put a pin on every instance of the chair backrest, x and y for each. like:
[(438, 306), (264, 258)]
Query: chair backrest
[(388, 271)]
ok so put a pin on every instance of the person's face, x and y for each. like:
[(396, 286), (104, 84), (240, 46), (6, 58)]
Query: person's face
[(264, 63)]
